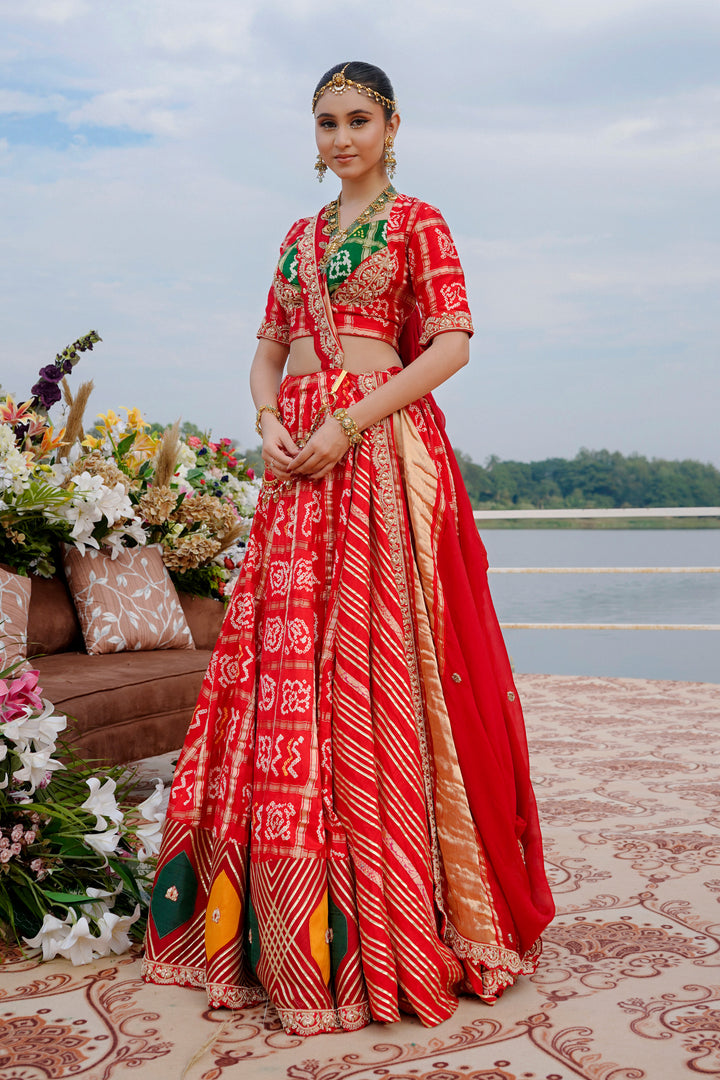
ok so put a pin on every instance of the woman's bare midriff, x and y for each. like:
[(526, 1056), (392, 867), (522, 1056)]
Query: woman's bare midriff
[(361, 354)]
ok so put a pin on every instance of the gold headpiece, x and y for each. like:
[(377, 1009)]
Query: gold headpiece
[(337, 84)]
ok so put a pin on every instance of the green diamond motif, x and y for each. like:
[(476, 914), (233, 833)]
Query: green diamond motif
[(174, 895)]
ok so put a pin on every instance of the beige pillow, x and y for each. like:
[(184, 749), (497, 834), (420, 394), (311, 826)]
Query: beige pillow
[(127, 603), (14, 608)]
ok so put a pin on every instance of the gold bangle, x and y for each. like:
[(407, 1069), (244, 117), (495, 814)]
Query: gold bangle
[(266, 408), (349, 426)]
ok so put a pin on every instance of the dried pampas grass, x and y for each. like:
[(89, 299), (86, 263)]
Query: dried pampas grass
[(74, 427), (167, 456)]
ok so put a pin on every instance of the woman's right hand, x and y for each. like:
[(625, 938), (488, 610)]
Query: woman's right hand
[(278, 448)]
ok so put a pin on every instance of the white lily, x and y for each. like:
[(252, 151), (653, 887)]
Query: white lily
[(36, 764), (153, 811), (151, 837), (96, 911), (101, 802), (51, 937), (152, 808), (43, 729), (104, 843), (113, 930), (81, 946)]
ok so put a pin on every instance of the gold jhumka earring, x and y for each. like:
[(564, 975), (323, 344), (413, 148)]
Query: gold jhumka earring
[(320, 169), (389, 156)]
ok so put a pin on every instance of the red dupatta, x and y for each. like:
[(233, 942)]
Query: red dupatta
[(482, 701), (315, 294)]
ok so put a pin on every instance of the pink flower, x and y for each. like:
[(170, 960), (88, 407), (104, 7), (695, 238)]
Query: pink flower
[(232, 461), (17, 833), (36, 865), (30, 836), (194, 442), (214, 447), (251, 474), (226, 442), (4, 842), (18, 695), (15, 849), (5, 855)]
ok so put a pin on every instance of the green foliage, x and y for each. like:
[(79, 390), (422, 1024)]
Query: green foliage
[(593, 478)]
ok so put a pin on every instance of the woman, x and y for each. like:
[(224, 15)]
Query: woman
[(352, 831)]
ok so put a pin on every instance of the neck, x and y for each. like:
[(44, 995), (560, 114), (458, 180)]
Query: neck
[(357, 194)]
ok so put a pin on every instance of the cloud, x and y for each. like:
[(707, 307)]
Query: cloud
[(573, 148), (19, 103), (144, 109)]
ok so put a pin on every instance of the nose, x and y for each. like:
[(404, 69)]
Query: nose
[(343, 135)]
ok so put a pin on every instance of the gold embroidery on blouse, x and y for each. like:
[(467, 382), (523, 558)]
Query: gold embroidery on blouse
[(369, 280), (451, 320), (274, 331), (288, 296)]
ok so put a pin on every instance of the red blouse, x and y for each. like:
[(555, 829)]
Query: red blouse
[(419, 265)]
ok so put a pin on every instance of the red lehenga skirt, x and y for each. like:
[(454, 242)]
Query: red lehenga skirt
[(351, 828)]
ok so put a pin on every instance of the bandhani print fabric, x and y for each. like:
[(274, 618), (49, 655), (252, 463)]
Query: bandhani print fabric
[(351, 829)]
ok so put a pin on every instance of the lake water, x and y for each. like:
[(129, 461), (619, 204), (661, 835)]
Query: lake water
[(617, 598)]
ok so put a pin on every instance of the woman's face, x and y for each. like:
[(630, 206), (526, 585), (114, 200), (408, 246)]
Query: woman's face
[(350, 131)]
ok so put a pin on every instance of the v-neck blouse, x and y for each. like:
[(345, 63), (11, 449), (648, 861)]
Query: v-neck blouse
[(372, 295)]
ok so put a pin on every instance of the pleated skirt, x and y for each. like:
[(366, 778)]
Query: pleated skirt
[(320, 850)]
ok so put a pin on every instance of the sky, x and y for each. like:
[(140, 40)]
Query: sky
[(154, 152)]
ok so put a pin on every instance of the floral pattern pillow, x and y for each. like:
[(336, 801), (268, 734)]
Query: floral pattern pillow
[(127, 603), (14, 608)]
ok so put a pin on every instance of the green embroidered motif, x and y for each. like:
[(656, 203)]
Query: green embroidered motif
[(174, 893), (360, 245), (252, 934), (339, 939)]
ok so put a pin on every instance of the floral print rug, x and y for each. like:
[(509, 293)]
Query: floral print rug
[(627, 774)]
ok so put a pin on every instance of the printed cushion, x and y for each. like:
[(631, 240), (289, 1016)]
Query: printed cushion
[(14, 608), (127, 603)]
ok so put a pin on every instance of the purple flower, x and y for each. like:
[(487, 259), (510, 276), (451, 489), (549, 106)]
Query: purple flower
[(47, 393), (52, 372)]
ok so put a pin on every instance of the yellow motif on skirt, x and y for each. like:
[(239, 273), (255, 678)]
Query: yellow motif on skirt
[(319, 945), (224, 910)]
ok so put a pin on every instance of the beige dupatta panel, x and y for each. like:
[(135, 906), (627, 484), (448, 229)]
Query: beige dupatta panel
[(469, 902)]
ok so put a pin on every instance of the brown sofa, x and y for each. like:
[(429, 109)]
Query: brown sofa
[(123, 706)]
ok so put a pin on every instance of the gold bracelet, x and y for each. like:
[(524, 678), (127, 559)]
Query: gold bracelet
[(349, 426), (266, 408)]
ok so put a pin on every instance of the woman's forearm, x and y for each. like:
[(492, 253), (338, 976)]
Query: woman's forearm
[(447, 354)]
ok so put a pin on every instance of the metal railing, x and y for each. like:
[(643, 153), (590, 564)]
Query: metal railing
[(646, 512)]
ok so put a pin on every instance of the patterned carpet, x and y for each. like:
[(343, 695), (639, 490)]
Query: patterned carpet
[(628, 777)]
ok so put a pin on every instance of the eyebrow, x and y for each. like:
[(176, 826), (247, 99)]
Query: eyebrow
[(353, 112)]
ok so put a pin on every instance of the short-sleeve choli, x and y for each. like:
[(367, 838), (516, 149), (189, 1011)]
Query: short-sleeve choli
[(414, 263)]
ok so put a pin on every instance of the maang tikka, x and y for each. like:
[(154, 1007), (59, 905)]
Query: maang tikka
[(389, 156), (320, 168)]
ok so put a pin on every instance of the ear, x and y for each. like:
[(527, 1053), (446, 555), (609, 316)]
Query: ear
[(392, 125)]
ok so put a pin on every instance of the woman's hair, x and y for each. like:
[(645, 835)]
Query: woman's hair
[(366, 74)]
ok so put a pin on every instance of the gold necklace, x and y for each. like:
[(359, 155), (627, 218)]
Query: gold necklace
[(338, 236)]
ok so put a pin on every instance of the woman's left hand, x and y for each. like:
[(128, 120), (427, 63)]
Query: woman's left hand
[(321, 452)]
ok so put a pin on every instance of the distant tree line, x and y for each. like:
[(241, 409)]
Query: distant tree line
[(593, 478)]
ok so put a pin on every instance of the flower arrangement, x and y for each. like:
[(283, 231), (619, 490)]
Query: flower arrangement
[(76, 859), (120, 485)]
